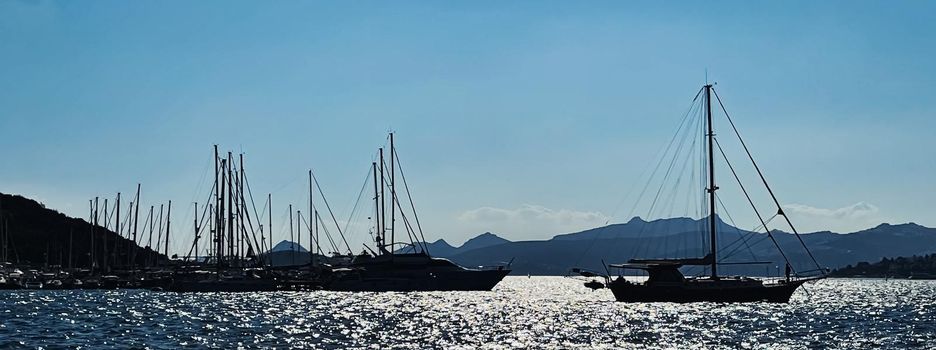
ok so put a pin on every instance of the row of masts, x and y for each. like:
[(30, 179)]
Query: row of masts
[(235, 236), (106, 253), (227, 226)]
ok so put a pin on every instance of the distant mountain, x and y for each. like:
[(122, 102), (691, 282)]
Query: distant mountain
[(444, 249), (439, 247), (483, 240), (287, 246), (638, 228), (39, 235), (685, 237)]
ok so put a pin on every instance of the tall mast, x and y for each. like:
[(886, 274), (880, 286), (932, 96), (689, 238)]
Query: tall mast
[(298, 232), (95, 224), (312, 214), (116, 228), (241, 207), (103, 242), (270, 225), (149, 241), (91, 224), (136, 222), (383, 205), (196, 232), (230, 206), (168, 214), (292, 240), (712, 188), (217, 213), (377, 210), (392, 196)]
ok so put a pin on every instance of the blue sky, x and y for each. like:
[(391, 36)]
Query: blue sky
[(527, 119)]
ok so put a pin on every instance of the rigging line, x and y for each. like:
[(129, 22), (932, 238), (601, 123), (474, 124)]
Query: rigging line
[(357, 202), (746, 195), (764, 180), (309, 227), (675, 188), (663, 183), (330, 212), (201, 226), (755, 242), (253, 204), (410, 232), (682, 120), (663, 156), (410, 198), (328, 234), (735, 227), (245, 213), (409, 228)]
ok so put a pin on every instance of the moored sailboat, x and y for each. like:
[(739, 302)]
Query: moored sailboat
[(390, 269), (666, 282)]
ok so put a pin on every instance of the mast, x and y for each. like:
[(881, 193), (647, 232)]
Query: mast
[(292, 241), (241, 206), (168, 213), (383, 205), (136, 222), (377, 210), (91, 224), (230, 206), (270, 225), (149, 241), (103, 242), (196, 232), (712, 188), (217, 222), (95, 223), (117, 227), (298, 232), (392, 196), (312, 213)]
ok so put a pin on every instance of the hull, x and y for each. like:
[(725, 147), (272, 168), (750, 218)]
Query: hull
[(720, 291), (406, 281)]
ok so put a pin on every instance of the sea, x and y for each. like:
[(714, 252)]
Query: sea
[(521, 312)]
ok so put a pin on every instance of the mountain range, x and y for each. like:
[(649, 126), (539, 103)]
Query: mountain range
[(684, 237)]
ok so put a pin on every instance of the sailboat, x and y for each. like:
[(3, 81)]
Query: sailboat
[(665, 281), (411, 268)]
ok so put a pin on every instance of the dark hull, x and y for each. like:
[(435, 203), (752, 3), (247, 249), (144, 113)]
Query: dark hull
[(406, 281), (698, 292)]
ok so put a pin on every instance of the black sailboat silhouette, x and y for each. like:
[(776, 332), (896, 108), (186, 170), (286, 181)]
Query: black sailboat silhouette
[(666, 283), (410, 268)]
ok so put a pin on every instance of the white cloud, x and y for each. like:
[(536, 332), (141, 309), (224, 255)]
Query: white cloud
[(530, 221), (851, 218)]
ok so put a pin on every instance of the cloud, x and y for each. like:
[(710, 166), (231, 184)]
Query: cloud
[(530, 221), (851, 218)]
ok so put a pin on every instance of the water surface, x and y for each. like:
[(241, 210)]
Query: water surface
[(522, 312)]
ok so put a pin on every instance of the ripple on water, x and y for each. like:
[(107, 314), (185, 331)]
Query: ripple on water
[(538, 312)]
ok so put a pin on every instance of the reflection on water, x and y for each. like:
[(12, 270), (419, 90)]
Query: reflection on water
[(548, 312)]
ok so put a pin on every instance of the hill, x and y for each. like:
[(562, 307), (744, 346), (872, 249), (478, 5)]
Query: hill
[(37, 235), (900, 267)]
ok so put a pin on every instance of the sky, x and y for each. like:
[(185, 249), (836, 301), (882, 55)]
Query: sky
[(524, 118)]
